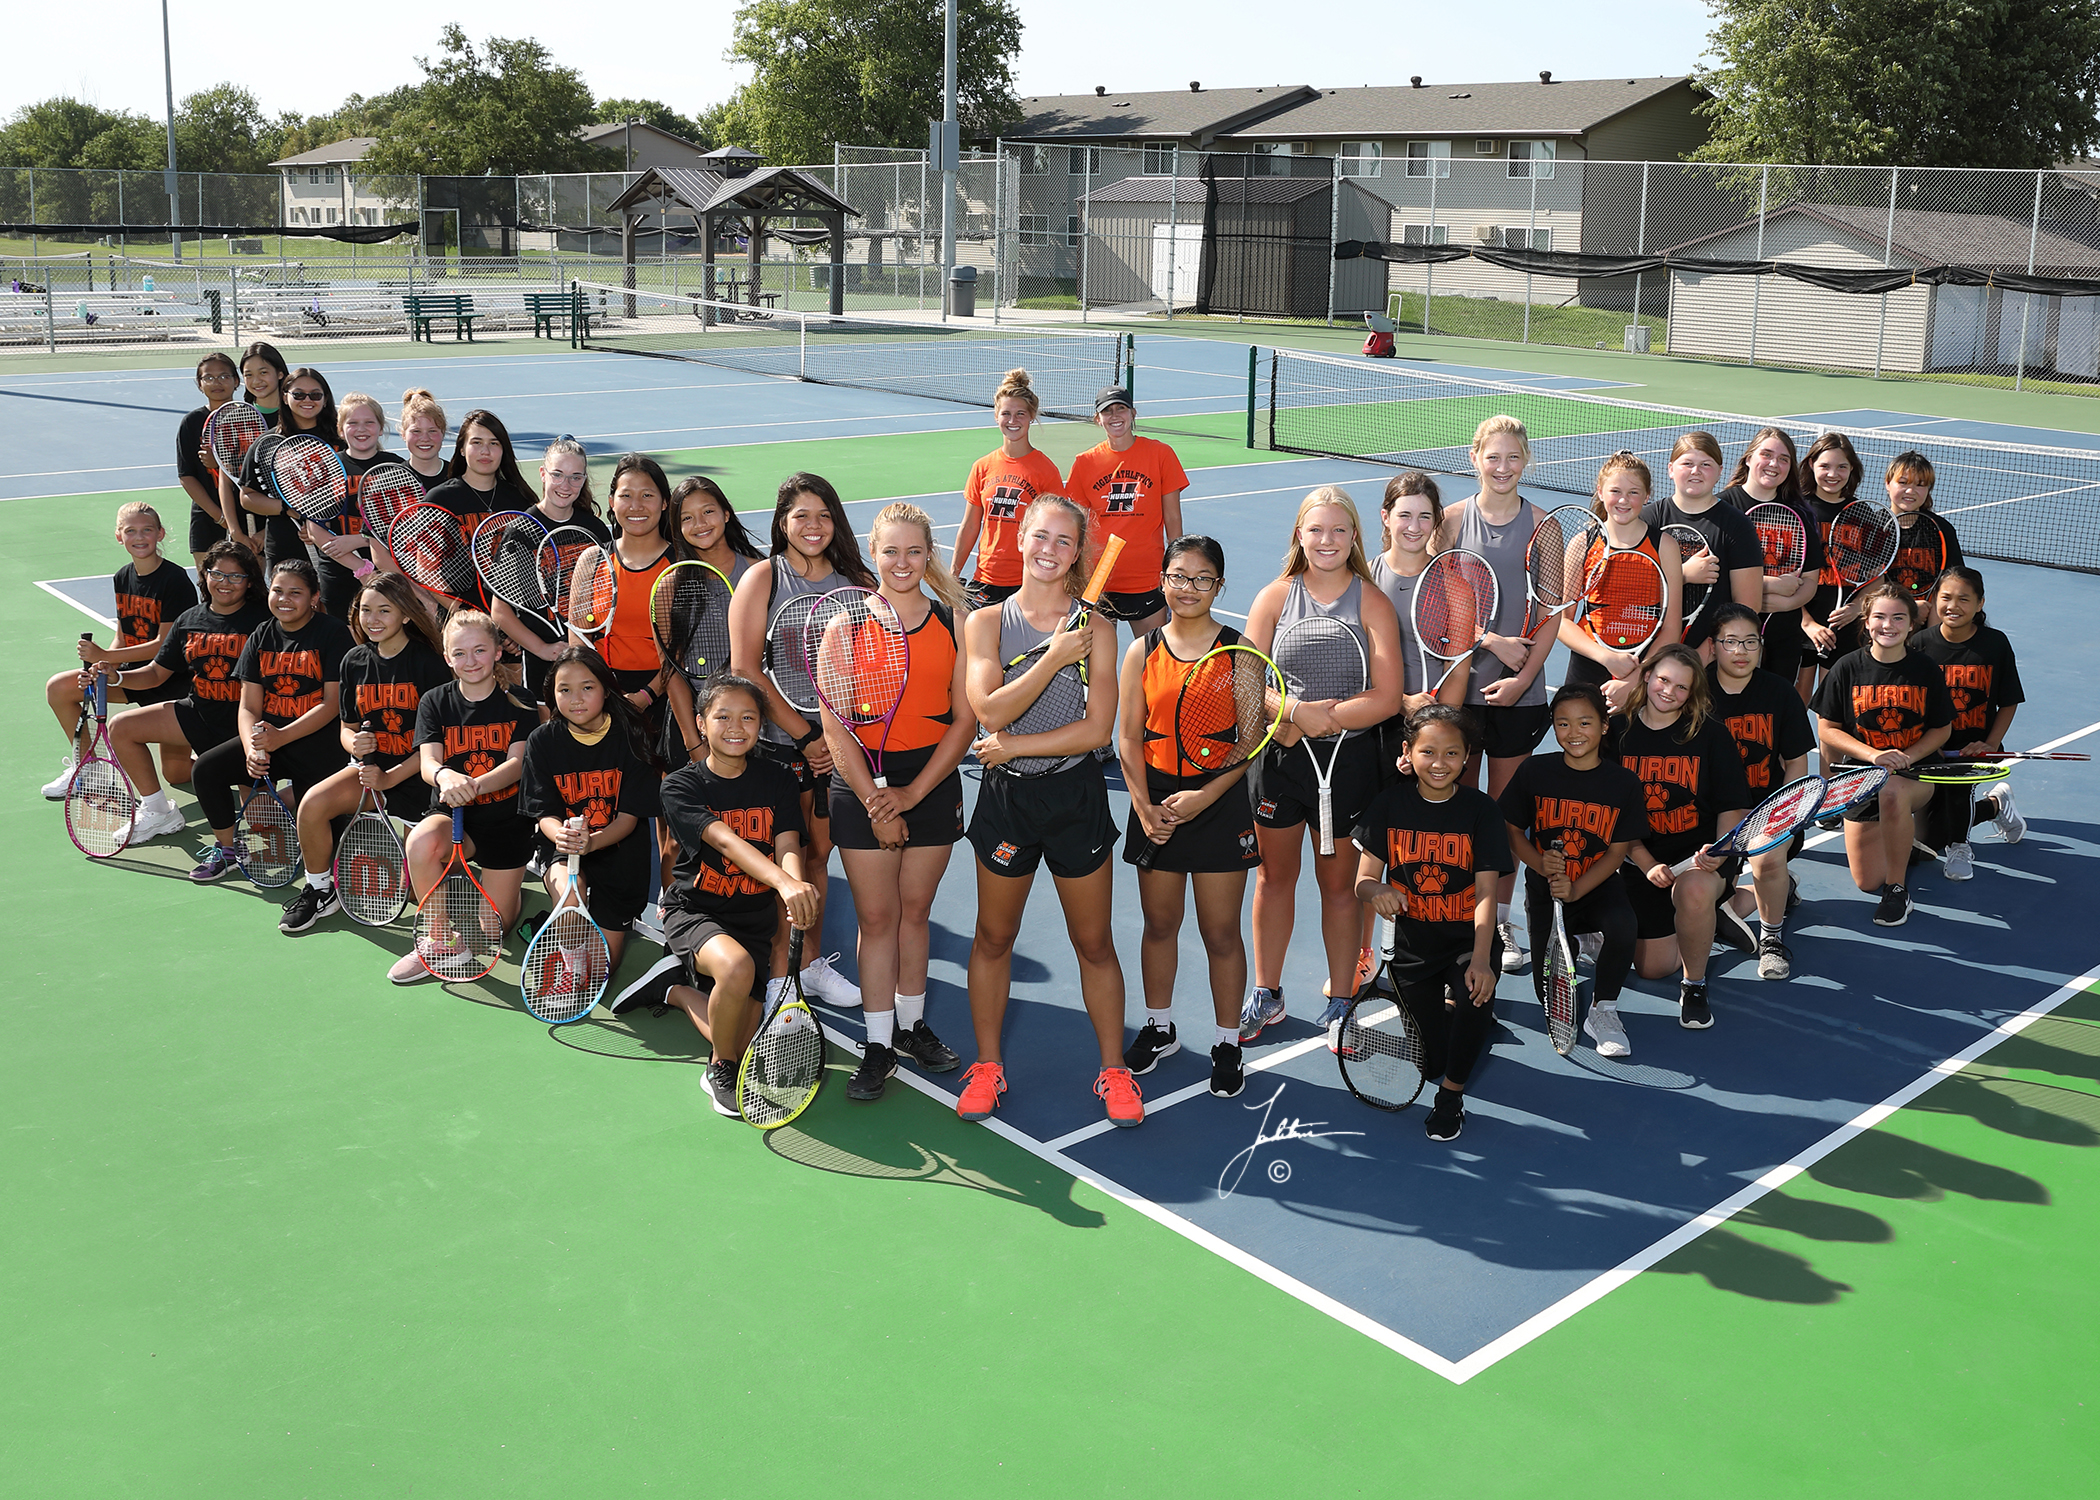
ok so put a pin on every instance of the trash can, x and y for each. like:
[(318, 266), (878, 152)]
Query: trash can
[(962, 292)]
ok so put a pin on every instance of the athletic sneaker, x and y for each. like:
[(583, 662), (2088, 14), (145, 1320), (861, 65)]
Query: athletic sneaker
[(1605, 1029), (1154, 1041), (1693, 1013), (1960, 862), (1731, 928), (820, 981), (878, 1065), (982, 1086), (55, 791), (653, 988), (1228, 1073), (148, 824), (1514, 959), (1774, 959), (2011, 826), (1366, 968), (1264, 1008), (1587, 946), (1793, 893), (1894, 909), (217, 864), (1447, 1117), (1119, 1091), (721, 1087), (307, 908), (927, 1050), (408, 969), (1331, 1018)]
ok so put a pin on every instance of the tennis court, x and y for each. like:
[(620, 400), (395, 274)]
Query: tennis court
[(288, 1229)]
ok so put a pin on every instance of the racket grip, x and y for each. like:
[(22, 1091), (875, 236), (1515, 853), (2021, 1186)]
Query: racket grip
[(1717, 851), (459, 825), (574, 859)]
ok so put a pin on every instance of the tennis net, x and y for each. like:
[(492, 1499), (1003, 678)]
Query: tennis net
[(2012, 502), (961, 361)]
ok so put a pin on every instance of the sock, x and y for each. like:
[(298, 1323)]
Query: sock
[(1163, 1019), (321, 880), (1773, 928), (1228, 1036), (1502, 911), (158, 802), (911, 1010), (882, 1027), (1692, 986)]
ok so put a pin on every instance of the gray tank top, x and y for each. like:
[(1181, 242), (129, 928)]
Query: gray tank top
[(1503, 546), (1299, 604), (1016, 635), (787, 583), (1401, 591)]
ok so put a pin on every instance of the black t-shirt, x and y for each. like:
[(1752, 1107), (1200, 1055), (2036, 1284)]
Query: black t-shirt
[(1586, 812), (1827, 581), (387, 691), (474, 738), (292, 667), (147, 601), (1917, 561), (191, 462), (1432, 850), (1729, 536), (1769, 724), (565, 778), (1783, 635), (758, 806), (1982, 678), (1688, 783), (203, 648), (473, 506), (1888, 705)]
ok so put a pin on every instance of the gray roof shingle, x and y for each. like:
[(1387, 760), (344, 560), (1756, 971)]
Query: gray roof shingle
[(1563, 107)]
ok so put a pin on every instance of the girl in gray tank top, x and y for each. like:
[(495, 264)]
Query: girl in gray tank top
[(1299, 604), (1411, 513), (1504, 547), (1016, 637)]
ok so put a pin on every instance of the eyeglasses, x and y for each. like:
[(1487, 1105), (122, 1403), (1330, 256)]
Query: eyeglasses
[(1202, 583), (218, 577), (304, 396), (1738, 642)]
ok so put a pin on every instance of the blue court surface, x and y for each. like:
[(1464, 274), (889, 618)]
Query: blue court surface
[(1572, 1174)]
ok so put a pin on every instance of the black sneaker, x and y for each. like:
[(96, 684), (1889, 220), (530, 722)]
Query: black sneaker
[(927, 1050), (307, 908), (1693, 1013), (1894, 909), (1920, 854), (878, 1065), (652, 988), (1154, 1041), (1731, 928), (1447, 1117), (1227, 1074), (721, 1087)]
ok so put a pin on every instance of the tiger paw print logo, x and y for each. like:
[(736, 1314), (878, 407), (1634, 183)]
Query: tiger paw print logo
[(1889, 720), (598, 813), (1429, 880), (478, 763), (1658, 801), (285, 687), (1961, 699), (217, 669)]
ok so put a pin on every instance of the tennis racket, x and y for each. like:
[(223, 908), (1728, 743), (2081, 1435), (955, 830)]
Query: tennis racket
[(859, 660), (100, 799), (787, 660), (371, 867), (459, 934), (784, 1066), (229, 433), (266, 836), (1863, 538), (1625, 600), (1783, 537), (1921, 554), (1851, 787), (1698, 597), (1323, 661), (1063, 700), (1771, 823), (2035, 755), (1455, 602), (1227, 710), (427, 544), (1958, 772), (1380, 1052), (556, 562), (307, 474), (568, 964), (505, 549), (1558, 974), (383, 493), (593, 592), (1547, 584), (689, 616)]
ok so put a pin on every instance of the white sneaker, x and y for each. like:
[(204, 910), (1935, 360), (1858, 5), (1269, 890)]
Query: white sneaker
[(776, 992), (822, 982), (1587, 946), (1960, 863), (650, 924), (55, 791), (1604, 1028), (148, 823), (2011, 826), (1514, 959)]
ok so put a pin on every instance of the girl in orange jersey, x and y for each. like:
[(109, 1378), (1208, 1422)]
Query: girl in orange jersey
[(1133, 485), (1624, 485), (641, 547), (1003, 484)]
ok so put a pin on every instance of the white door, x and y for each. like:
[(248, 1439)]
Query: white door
[(1179, 246)]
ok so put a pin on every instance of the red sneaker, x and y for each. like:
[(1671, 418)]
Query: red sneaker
[(1119, 1091), (982, 1086), (1366, 967)]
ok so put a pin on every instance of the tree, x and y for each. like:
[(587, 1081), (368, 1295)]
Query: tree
[(355, 116), (1941, 83), (224, 129), (651, 112), (505, 109), (864, 72), (72, 133)]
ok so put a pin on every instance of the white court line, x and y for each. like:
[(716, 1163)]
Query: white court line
[(98, 469), (75, 603), (1166, 1101)]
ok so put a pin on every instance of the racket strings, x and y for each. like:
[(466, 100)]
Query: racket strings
[(1862, 542), (1224, 712), (1560, 1003), (787, 663), (785, 1065), (505, 550), (1381, 1055), (426, 542), (458, 934), (1624, 600), (267, 842), (235, 427), (370, 879), (384, 493), (567, 968), (1779, 817), (1321, 660), (1062, 702), (690, 620), (861, 657), (593, 592), (100, 806), (309, 477), (1455, 602)]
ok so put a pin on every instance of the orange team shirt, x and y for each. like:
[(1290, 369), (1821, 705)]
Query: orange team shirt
[(1163, 676), (1127, 492), (630, 645), (1002, 488), (926, 712), (1592, 559)]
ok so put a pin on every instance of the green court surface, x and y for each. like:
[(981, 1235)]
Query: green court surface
[(279, 1228)]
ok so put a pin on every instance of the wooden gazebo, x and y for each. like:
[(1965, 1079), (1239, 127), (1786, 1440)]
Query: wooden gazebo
[(745, 201)]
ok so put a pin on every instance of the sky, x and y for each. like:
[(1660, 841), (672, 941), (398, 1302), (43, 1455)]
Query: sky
[(674, 52)]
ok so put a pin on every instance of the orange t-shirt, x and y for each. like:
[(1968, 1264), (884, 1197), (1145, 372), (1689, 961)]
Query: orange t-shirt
[(629, 644), (1127, 493), (926, 712), (1164, 676), (1002, 488)]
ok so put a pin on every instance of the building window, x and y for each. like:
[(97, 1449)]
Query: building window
[(1072, 229), (331, 216), (313, 174), (1035, 229), (1159, 159), (1517, 238), (1429, 158), (1085, 161), (1531, 158), (1362, 159), (328, 174), (1035, 161), (1425, 234)]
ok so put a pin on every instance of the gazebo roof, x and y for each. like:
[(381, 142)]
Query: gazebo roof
[(772, 192)]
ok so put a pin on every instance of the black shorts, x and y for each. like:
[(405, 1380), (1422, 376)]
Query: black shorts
[(499, 836), (615, 879), (171, 691), (687, 932), (1218, 841), (1286, 793), (1061, 819), (980, 595), (935, 823), (191, 723), (1511, 733), (1655, 907), (204, 530), (1134, 606)]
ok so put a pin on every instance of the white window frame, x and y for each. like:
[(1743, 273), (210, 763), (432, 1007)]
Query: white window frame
[(1083, 161), (1159, 158), (1425, 234), (1035, 161), (1531, 158), (1035, 229), (1429, 158), (313, 174), (1519, 237), (1363, 158)]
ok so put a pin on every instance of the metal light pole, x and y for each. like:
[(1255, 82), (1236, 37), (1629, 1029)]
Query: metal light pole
[(948, 176), (167, 56)]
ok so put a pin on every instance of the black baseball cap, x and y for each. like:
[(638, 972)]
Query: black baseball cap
[(1113, 395)]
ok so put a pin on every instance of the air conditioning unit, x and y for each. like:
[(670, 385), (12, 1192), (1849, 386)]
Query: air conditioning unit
[(1487, 234), (1484, 147)]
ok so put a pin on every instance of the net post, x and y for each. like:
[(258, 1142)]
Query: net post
[(50, 316), (1086, 221), (1274, 356), (1253, 359), (1127, 342)]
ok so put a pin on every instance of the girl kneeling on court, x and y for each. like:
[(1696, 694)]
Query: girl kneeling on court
[(1884, 705), (470, 734), (290, 673), (1430, 849), (396, 661), (1572, 816), (894, 840), (1043, 798), (737, 819), (1983, 685), (1692, 775)]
